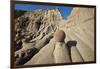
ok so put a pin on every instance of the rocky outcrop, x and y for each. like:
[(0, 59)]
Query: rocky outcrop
[(34, 23), (35, 43), (55, 52), (38, 19), (36, 28), (80, 27)]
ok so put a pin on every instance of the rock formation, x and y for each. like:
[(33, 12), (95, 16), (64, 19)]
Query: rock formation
[(80, 27), (55, 52), (35, 43)]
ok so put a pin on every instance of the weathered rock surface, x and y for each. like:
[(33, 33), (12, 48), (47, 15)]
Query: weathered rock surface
[(37, 27), (54, 52), (80, 27)]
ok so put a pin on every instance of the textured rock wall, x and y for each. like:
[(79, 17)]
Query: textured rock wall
[(80, 28), (37, 27), (38, 18)]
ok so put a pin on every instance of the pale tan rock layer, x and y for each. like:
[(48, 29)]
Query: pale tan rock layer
[(74, 42), (80, 27), (54, 52)]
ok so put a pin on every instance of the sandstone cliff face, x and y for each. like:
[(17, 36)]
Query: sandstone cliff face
[(33, 23), (36, 20), (37, 27), (80, 28)]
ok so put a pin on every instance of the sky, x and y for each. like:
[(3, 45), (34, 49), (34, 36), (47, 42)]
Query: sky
[(64, 10)]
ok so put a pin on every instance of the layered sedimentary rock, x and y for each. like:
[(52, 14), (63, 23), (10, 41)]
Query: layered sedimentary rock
[(80, 27), (35, 43), (38, 19), (54, 52), (36, 28), (35, 23)]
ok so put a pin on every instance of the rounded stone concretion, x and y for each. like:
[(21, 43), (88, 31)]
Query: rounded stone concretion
[(59, 36)]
